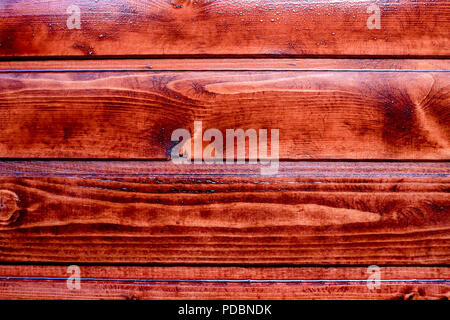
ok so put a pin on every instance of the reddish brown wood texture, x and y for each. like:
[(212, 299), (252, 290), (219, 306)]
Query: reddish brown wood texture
[(159, 213), (224, 27), (327, 111), (226, 64), (48, 282), (196, 231)]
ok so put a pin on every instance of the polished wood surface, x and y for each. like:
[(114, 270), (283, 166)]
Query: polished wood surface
[(91, 92), (332, 111), (224, 27), (50, 282), (226, 64), (160, 213)]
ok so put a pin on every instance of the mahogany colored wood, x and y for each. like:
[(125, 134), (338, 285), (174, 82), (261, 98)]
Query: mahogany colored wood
[(341, 110), (204, 27), (310, 213), (128, 282), (75, 95), (217, 64)]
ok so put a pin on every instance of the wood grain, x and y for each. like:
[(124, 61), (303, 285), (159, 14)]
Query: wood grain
[(203, 27), (87, 113), (310, 213), (226, 64), (367, 113), (100, 282)]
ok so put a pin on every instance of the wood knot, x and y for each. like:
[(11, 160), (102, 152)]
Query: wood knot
[(177, 4), (413, 295), (8, 207)]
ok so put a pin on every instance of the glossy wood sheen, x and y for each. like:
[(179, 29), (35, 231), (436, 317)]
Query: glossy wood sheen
[(340, 110), (159, 213), (48, 282), (224, 27), (226, 64), (88, 107)]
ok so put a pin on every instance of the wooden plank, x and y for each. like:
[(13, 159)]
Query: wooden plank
[(203, 27), (102, 282), (368, 113), (218, 64), (309, 213)]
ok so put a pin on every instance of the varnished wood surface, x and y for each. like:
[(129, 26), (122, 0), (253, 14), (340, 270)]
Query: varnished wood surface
[(323, 213), (337, 91), (367, 113), (228, 64), (50, 282), (225, 27)]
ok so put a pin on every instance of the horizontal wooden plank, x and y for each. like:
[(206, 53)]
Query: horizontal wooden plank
[(203, 27), (320, 114), (100, 282), (300, 169), (309, 213), (217, 64)]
